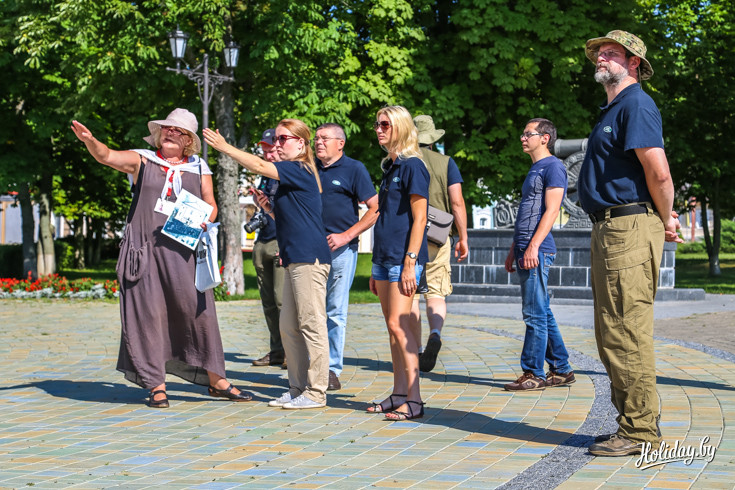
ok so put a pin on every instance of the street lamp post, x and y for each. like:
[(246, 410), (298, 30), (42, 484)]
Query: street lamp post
[(200, 74)]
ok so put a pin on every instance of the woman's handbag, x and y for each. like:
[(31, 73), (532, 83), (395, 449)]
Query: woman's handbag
[(207, 272), (438, 226)]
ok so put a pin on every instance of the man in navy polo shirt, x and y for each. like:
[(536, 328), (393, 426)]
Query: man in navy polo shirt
[(345, 184), (625, 186)]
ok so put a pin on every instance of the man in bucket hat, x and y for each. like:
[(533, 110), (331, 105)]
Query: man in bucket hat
[(445, 193), (626, 188)]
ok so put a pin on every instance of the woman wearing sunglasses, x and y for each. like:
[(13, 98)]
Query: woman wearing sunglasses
[(305, 255), (399, 253)]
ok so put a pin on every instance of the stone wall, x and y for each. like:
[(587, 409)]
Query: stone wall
[(482, 276)]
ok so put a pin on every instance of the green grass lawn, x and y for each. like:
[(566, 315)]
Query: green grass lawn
[(102, 272), (692, 271), (360, 292)]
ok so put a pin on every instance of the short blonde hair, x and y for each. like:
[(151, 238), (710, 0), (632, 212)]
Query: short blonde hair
[(300, 129), (404, 140), (189, 149)]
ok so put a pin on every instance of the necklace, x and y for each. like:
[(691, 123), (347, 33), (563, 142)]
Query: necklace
[(172, 162)]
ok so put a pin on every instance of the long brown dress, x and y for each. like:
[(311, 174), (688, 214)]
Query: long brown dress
[(167, 325)]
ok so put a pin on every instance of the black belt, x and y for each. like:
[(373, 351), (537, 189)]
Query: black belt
[(627, 210)]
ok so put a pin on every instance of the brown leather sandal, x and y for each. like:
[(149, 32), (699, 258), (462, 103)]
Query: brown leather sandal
[(158, 403), (243, 396)]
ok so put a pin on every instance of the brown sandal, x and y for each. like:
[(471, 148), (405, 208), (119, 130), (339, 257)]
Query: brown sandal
[(243, 396), (158, 403)]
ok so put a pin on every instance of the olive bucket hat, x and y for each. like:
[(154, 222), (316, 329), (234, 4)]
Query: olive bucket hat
[(428, 134), (629, 41)]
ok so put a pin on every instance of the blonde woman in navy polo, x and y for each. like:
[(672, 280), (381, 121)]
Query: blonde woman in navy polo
[(399, 254), (305, 255)]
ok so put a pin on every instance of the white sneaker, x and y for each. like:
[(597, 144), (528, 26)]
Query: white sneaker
[(281, 400), (302, 402)]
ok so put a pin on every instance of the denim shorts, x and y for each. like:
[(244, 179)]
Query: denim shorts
[(392, 273)]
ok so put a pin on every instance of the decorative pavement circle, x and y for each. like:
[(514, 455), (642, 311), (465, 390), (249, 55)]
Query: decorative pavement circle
[(70, 420)]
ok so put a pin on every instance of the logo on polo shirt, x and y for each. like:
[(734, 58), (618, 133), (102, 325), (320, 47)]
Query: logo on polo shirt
[(336, 182), (396, 179), (607, 129)]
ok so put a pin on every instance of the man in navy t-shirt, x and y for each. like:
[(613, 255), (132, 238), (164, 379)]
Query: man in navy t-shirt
[(533, 251), (625, 186), (345, 184)]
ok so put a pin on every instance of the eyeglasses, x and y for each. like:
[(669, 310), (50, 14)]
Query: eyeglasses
[(325, 138), (281, 140), (610, 54), (527, 135), (384, 125), (172, 130)]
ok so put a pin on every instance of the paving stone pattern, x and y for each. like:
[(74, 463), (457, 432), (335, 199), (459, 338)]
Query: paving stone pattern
[(70, 420)]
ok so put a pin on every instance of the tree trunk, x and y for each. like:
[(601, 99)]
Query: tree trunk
[(227, 174), (712, 244), (27, 230), (47, 255), (77, 227), (714, 258), (95, 255)]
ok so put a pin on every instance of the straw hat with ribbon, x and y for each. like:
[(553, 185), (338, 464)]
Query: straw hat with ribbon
[(179, 118)]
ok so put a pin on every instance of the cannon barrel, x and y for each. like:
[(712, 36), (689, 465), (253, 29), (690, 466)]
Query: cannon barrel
[(564, 148)]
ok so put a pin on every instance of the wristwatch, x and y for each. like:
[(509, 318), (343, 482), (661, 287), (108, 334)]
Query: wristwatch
[(411, 255)]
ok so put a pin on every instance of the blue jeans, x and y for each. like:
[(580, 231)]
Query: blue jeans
[(344, 263), (543, 338)]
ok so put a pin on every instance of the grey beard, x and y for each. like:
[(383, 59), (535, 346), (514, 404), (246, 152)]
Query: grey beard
[(609, 79)]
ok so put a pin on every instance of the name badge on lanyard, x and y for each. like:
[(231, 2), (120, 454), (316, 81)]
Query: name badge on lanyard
[(164, 206)]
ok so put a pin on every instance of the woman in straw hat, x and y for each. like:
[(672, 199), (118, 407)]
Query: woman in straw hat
[(304, 252), (167, 325), (399, 254)]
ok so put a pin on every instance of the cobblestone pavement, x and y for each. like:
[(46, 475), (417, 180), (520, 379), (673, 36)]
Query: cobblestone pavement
[(70, 420)]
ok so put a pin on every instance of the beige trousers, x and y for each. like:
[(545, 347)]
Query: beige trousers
[(626, 257), (303, 324)]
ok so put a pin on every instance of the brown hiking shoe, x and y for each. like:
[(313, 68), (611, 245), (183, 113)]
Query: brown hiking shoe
[(527, 382), (615, 446), (559, 379), (269, 360)]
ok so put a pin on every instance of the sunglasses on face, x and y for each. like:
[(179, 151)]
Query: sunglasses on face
[(281, 140), (384, 125)]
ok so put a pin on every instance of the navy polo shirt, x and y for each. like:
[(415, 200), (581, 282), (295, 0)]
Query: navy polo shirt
[(545, 173), (453, 175), (298, 210), (268, 232), (345, 184), (611, 173), (393, 228)]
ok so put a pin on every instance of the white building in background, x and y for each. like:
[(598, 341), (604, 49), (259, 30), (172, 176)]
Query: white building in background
[(482, 217)]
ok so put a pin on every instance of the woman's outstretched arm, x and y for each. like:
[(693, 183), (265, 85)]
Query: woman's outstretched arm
[(248, 160)]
